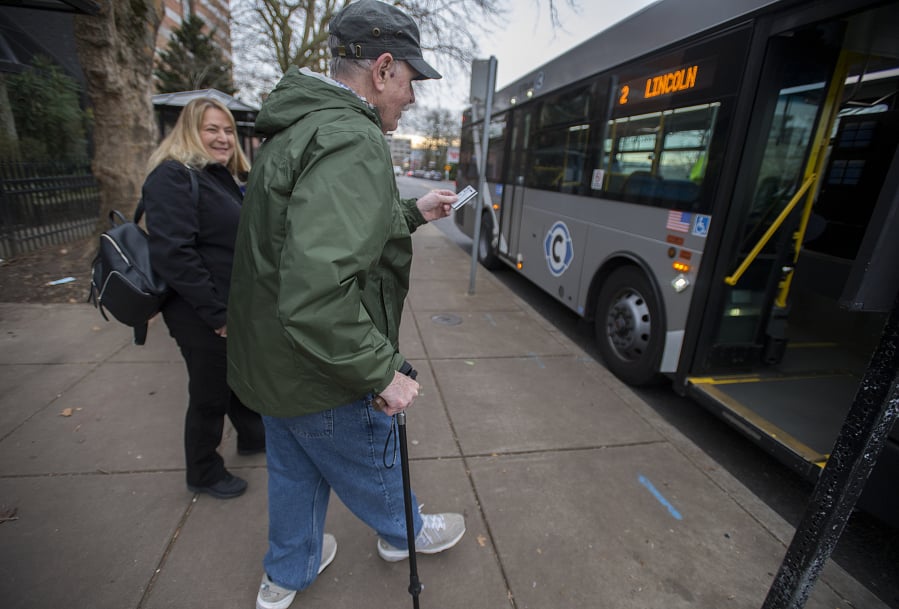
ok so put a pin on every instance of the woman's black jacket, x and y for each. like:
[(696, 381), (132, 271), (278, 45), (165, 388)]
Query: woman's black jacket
[(192, 246)]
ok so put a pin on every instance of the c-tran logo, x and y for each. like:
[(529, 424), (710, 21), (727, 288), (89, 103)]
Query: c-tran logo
[(558, 248)]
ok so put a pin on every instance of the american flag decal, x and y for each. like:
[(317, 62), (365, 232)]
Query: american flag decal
[(678, 221)]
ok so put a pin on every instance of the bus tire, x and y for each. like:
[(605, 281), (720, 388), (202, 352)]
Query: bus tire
[(486, 253), (629, 328)]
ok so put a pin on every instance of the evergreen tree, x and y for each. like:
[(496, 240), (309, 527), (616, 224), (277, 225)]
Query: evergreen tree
[(193, 61), (48, 117)]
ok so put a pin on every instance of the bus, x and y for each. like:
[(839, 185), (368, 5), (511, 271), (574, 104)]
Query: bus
[(715, 186)]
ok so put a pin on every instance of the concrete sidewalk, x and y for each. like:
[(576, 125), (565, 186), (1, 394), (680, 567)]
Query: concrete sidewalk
[(576, 493)]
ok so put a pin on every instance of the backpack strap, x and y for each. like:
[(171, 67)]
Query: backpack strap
[(116, 217), (140, 334), (194, 195)]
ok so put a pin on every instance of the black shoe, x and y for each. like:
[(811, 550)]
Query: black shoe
[(246, 452), (227, 488)]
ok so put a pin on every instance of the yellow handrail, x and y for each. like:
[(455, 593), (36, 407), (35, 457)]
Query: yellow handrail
[(781, 218), (816, 164), (813, 168)]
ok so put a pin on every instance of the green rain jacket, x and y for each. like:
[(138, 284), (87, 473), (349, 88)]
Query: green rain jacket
[(323, 254)]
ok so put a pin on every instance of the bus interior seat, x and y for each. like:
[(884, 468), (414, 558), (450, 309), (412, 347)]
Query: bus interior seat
[(679, 191), (640, 186)]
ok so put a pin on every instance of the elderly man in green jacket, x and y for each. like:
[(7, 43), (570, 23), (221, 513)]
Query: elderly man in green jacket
[(321, 270)]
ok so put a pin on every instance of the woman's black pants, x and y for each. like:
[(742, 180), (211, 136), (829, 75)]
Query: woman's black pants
[(210, 399)]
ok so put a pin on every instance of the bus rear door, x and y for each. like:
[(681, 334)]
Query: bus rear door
[(513, 185)]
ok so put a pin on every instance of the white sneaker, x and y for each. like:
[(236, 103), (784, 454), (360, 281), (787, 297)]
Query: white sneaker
[(439, 532), (273, 596)]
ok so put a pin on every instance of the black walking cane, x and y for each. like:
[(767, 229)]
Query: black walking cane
[(415, 585)]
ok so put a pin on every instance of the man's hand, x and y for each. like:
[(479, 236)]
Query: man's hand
[(436, 204), (398, 395)]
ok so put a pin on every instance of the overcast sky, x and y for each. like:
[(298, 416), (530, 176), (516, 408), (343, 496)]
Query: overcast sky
[(528, 42)]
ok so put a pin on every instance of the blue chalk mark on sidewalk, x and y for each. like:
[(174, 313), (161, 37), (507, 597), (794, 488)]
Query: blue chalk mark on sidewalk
[(536, 358), (661, 498)]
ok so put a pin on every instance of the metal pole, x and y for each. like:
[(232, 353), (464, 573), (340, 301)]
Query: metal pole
[(478, 209), (483, 199), (855, 453)]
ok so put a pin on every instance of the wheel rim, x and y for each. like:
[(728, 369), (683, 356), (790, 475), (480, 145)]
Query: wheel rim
[(629, 325)]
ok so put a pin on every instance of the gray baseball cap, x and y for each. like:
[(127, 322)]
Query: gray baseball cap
[(368, 28)]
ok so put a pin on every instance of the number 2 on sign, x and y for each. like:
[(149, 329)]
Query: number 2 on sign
[(625, 90)]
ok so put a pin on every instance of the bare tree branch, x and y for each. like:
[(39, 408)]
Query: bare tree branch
[(271, 35)]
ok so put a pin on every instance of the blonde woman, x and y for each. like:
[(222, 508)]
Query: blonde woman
[(192, 247)]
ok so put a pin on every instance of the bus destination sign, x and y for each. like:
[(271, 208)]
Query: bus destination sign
[(661, 85), (672, 82)]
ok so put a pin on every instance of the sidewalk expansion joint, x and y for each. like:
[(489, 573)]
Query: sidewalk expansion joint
[(166, 553), (568, 449), (96, 472)]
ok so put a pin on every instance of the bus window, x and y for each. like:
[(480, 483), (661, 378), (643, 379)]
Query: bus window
[(862, 147), (572, 107), (468, 167), (783, 163), (496, 149), (686, 143), (660, 158), (559, 156)]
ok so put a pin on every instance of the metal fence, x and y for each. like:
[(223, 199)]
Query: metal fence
[(45, 204)]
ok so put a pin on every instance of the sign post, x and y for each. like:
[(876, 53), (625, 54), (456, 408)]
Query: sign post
[(483, 84)]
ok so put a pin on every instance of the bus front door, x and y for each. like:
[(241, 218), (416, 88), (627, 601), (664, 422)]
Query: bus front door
[(782, 356)]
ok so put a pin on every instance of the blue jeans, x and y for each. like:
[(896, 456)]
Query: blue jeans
[(343, 449)]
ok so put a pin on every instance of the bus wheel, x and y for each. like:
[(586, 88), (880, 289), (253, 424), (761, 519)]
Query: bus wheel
[(486, 254), (629, 328)]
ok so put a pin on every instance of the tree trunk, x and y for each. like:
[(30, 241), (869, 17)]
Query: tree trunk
[(116, 48), (7, 122)]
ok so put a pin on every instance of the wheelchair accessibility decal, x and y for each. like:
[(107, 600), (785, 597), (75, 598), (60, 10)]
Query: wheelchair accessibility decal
[(558, 248)]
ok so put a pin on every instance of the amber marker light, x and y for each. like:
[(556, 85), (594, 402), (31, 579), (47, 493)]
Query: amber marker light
[(680, 267)]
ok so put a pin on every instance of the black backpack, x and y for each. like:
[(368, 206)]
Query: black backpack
[(122, 279)]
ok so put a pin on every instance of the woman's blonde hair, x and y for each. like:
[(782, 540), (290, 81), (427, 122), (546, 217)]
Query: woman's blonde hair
[(184, 145)]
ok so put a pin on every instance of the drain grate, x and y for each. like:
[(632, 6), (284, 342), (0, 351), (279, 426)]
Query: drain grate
[(446, 319)]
